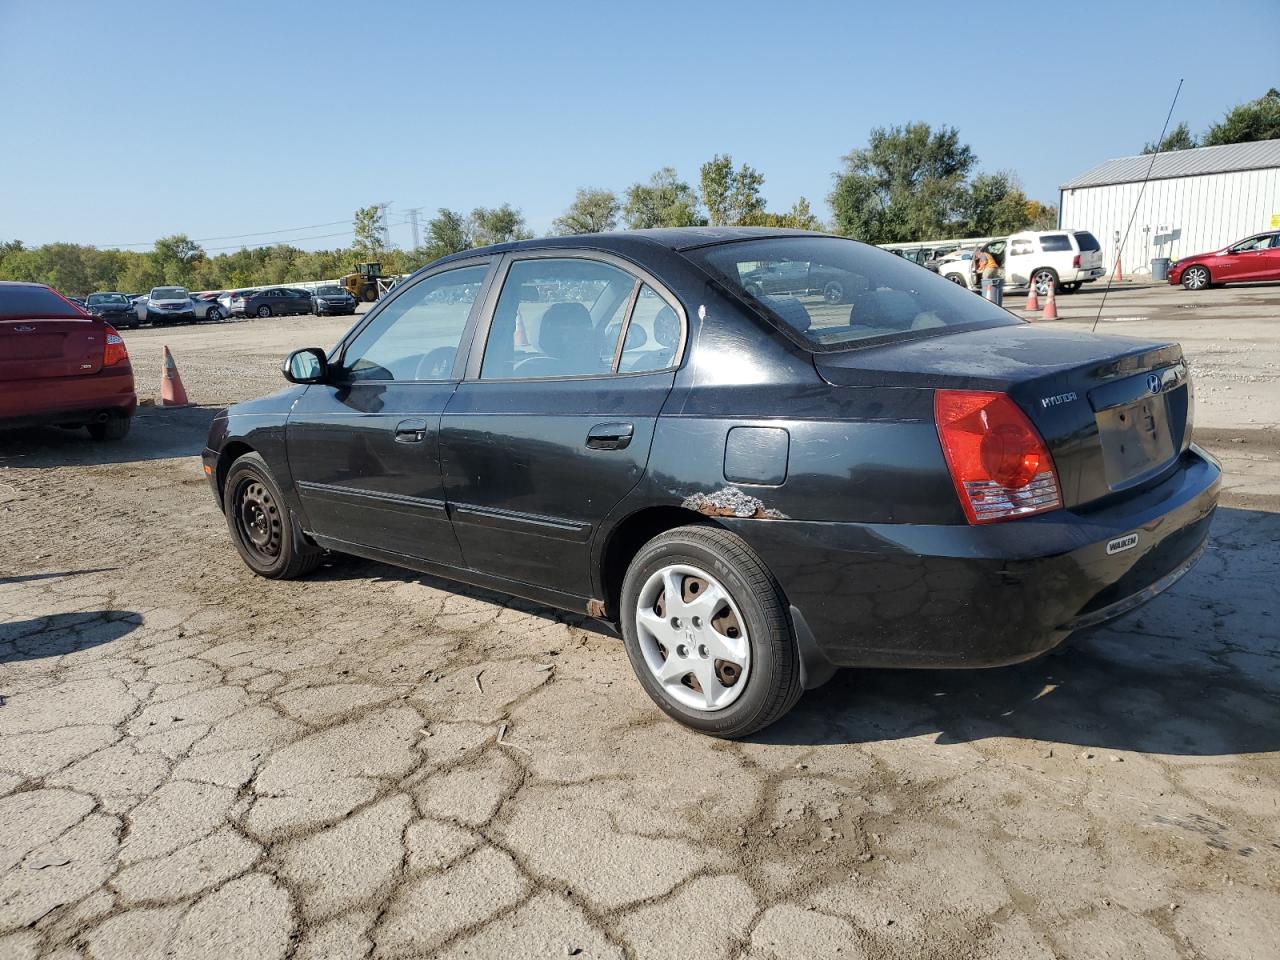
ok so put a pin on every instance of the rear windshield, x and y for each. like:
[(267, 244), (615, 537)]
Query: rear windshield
[(103, 298), (168, 293), (24, 303), (1054, 242), (1087, 241), (835, 292)]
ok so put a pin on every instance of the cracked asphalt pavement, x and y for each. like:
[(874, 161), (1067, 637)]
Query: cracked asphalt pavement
[(195, 762)]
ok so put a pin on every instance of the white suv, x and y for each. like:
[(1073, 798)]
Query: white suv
[(1064, 259)]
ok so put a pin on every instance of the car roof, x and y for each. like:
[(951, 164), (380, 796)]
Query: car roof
[(22, 283), (626, 242)]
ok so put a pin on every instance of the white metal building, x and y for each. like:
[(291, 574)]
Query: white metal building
[(1196, 200)]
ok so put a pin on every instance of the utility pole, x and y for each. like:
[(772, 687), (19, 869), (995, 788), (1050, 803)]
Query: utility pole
[(412, 214)]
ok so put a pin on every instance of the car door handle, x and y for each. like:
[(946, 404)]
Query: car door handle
[(411, 431), (610, 436)]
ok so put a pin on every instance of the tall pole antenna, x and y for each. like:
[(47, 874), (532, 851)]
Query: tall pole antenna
[(1137, 203)]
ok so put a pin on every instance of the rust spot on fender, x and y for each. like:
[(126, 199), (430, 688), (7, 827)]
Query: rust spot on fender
[(732, 502)]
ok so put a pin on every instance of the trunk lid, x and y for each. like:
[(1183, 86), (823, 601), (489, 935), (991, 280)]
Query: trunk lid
[(44, 349), (1115, 412)]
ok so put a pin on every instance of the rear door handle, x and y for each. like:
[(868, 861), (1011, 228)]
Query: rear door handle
[(610, 436), (411, 431)]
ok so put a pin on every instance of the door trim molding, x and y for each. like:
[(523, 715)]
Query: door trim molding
[(532, 524), (330, 491)]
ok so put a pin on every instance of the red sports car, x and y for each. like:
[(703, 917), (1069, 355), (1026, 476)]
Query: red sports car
[(1252, 259), (60, 365)]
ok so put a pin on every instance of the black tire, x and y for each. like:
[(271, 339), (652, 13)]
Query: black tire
[(1071, 287), (1042, 278), (214, 315), (773, 680), (1197, 277), (263, 529), (264, 311), (369, 294), (833, 292), (113, 428), (957, 279)]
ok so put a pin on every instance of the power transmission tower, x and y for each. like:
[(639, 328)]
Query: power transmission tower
[(412, 214), (385, 225)]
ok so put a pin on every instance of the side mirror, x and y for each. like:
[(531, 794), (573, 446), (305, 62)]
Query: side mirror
[(308, 365)]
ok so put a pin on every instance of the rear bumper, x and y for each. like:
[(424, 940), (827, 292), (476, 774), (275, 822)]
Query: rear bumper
[(67, 400), (902, 595)]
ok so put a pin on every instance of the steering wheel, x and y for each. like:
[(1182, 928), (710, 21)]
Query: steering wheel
[(436, 365)]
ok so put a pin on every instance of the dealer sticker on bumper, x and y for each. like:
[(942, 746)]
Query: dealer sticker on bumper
[(1121, 544)]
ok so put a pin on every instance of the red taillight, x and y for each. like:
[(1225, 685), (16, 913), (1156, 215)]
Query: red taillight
[(114, 352), (999, 465), (1075, 261)]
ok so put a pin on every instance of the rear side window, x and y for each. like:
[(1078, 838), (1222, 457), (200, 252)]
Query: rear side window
[(1055, 243), (557, 317), (653, 335), (1087, 241), (33, 302)]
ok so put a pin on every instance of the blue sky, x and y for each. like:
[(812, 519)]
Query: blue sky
[(125, 122)]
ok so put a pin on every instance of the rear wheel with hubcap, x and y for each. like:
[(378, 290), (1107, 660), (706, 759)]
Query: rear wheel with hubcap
[(214, 315), (1196, 278), (1044, 280), (707, 632), (264, 311), (262, 527)]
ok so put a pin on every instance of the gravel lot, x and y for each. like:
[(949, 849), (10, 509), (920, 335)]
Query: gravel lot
[(198, 763)]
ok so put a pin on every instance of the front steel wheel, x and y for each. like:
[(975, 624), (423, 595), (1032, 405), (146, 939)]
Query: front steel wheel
[(714, 650), (691, 634), (262, 529)]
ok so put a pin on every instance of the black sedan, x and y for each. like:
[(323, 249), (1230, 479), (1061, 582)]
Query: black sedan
[(332, 300), (276, 302), (756, 489), (115, 308)]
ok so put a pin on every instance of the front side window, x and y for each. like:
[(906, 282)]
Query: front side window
[(1253, 243), (557, 317), (416, 335), (858, 292)]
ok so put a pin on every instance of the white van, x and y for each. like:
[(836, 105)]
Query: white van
[(1064, 259)]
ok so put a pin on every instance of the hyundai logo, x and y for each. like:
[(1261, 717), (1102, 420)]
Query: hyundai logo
[(1153, 383)]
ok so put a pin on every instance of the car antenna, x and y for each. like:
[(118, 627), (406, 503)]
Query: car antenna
[(1133, 216)]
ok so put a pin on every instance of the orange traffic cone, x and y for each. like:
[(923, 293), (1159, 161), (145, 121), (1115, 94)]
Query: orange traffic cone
[(1033, 301), (1050, 305), (172, 392), (1119, 273), (522, 338)]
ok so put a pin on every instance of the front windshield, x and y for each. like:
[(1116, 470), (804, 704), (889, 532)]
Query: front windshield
[(330, 291), (836, 292), (168, 293), (99, 298)]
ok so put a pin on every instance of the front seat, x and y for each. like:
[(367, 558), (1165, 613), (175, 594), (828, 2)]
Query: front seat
[(566, 344)]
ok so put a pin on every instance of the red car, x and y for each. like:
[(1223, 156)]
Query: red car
[(60, 365), (1252, 259)]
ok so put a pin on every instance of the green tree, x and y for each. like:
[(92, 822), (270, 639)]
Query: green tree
[(906, 183), (594, 210), (497, 225), (447, 232), (665, 201), (799, 217), (1179, 138), (367, 227), (993, 203), (1256, 120), (176, 258), (732, 196)]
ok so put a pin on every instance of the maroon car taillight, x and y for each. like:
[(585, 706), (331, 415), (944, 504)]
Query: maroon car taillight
[(1075, 261), (115, 351), (999, 464)]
